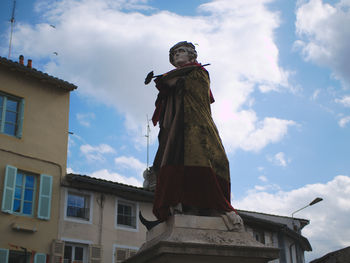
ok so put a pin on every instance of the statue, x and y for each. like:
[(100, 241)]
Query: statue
[(191, 166)]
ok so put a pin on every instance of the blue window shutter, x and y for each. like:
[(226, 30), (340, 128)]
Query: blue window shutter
[(45, 194), (9, 189), (4, 255), (39, 258), (20, 119)]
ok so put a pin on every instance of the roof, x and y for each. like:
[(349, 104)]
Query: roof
[(303, 222), (274, 226), (339, 256), (100, 185), (59, 83), (130, 192)]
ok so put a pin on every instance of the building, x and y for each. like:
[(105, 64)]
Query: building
[(34, 111), (99, 219), (338, 256), (279, 231), (103, 214)]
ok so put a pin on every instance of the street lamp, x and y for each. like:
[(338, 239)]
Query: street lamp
[(315, 201)]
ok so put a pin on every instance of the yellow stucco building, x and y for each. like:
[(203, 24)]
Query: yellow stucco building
[(34, 113)]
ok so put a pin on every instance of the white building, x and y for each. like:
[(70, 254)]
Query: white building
[(99, 223)]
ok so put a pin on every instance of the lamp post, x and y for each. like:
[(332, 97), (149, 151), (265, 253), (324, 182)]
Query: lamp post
[(315, 201)]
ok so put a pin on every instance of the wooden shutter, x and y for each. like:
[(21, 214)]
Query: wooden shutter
[(95, 254), (45, 193), (20, 119), (9, 189), (122, 254), (4, 255), (57, 251), (39, 258), (132, 252)]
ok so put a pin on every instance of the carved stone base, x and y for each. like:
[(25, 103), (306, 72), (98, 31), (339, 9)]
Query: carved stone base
[(199, 239)]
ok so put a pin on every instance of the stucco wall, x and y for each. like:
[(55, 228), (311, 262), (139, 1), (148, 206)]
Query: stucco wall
[(46, 229), (46, 112), (42, 149), (89, 233)]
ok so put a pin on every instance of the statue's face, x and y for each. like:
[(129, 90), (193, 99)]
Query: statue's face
[(181, 57)]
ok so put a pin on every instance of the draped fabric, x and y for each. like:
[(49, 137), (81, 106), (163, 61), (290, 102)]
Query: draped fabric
[(191, 164)]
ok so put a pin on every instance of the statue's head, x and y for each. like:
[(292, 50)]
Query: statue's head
[(182, 53)]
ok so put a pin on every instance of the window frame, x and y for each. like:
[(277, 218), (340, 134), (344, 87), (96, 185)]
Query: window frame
[(78, 242), (44, 194), (135, 206), (25, 174), (259, 235), (90, 202), (74, 245), (19, 111)]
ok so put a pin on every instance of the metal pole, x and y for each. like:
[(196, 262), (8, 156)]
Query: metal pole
[(12, 26), (315, 201), (147, 136)]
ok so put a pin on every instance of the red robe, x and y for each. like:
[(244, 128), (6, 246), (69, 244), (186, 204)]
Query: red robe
[(191, 164)]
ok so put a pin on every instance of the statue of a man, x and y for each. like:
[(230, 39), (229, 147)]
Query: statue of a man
[(191, 164)]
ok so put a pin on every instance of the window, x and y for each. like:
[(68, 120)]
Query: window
[(259, 235), (122, 253), (78, 206), (75, 253), (11, 114), (24, 193), (126, 214), (20, 256), (19, 193)]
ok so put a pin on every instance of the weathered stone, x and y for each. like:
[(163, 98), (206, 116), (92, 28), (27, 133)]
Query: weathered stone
[(185, 238)]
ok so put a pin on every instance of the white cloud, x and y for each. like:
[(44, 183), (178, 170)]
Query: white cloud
[(279, 159), (329, 227), (345, 101), (108, 52), (344, 121), (324, 38), (265, 187), (261, 168), (69, 170), (95, 153), (316, 94), (115, 177), (263, 178), (255, 135), (131, 163), (85, 118)]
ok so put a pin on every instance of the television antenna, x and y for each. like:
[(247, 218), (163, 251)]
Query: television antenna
[(147, 136), (12, 26)]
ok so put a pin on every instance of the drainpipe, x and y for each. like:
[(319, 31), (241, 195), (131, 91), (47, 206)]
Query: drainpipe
[(291, 252), (101, 204)]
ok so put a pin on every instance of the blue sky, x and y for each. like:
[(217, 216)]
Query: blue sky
[(279, 73)]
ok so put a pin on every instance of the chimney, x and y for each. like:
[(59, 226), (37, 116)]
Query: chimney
[(21, 60), (29, 65)]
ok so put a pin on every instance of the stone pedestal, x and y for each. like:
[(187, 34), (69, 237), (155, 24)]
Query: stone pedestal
[(199, 239)]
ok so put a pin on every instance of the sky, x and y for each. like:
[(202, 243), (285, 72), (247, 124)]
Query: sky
[(280, 75)]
